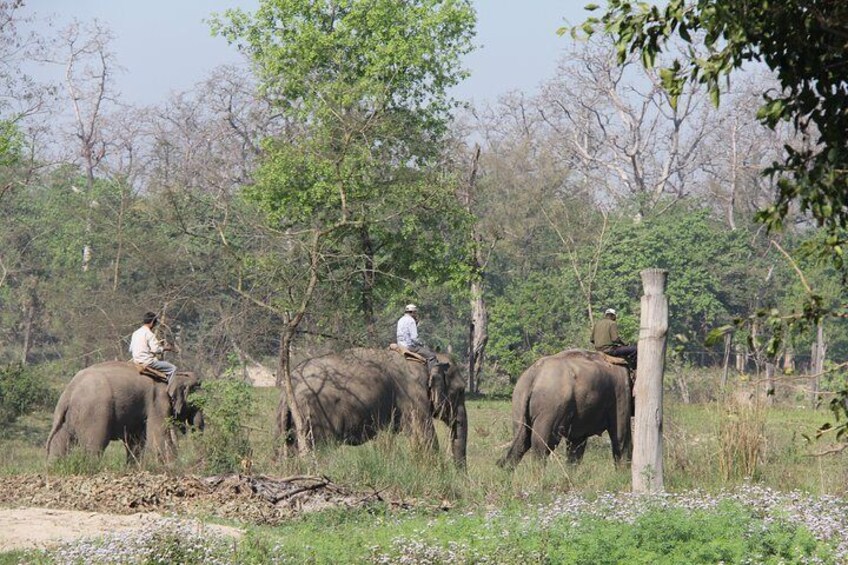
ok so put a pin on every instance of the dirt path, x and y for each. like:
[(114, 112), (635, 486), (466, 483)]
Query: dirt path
[(33, 528), (39, 510)]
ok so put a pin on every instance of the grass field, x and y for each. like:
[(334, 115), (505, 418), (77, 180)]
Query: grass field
[(709, 449), (782, 459)]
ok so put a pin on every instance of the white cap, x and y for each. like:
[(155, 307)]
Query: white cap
[(609, 311), (411, 308)]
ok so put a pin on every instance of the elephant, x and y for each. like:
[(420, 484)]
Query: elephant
[(112, 401), (572, 395), (350, 396)]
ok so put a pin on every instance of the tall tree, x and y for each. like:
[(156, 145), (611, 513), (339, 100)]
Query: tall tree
[(368, 81), (804, 42), (613, 124), (89, 65)]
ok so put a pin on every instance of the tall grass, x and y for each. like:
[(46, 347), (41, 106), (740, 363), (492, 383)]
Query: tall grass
[(741, 437)]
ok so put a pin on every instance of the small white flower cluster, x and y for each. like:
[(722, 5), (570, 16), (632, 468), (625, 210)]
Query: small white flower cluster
[(825, 517), (415, 551), (164, 541)]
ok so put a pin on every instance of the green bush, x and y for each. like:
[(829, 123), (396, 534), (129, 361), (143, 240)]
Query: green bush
[(228, 406), (21, 391)]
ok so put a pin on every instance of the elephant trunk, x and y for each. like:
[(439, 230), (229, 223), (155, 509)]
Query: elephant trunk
[(198, 421), (459, 434)]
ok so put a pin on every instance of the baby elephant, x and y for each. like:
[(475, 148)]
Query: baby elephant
[(112, 401)]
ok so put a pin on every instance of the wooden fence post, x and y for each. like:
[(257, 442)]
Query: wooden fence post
[(647, 465)]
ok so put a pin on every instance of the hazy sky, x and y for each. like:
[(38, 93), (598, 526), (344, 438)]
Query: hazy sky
[(165, 45)]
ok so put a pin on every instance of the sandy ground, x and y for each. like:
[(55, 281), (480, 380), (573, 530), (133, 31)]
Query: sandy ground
[(33, 528)]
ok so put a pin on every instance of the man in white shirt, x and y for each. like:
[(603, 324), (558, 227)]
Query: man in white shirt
[(407, 334), (146, 349)]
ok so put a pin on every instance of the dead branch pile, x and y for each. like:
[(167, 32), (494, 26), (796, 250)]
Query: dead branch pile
[(253, 499)]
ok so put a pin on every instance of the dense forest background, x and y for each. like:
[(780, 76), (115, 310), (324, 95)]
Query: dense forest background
[(528, 217)]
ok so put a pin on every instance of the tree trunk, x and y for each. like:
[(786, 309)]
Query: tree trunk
[(478, 334), (734, 175), (290, 325), (116, 272), (789, 360), (728, 345), (478, 330), (740, 359), (30, 309), (683, 388), (284, 378), (647, 466), (769, 384), (817, 364), (368, 284)]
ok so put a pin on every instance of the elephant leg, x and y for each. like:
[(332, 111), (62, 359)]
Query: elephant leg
[(545, 435), (94, 440), (159, 438), (420, 427), (576, 448), (60, 444)]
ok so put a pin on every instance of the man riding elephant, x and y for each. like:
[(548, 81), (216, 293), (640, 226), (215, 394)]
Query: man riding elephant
[(113, 401), (146, 350), (407, 335), (605, 338)]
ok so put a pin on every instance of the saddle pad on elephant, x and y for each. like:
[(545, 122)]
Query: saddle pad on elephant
[(151, 372), (407, 354), (614, 360)]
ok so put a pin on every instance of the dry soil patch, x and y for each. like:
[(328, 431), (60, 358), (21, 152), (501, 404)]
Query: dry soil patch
[(36, 528)]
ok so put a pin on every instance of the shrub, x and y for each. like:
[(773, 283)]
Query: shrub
[(227, 406), (21, 391)]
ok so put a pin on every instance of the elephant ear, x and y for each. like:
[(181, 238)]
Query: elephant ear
[(437, 385), (176, 392)]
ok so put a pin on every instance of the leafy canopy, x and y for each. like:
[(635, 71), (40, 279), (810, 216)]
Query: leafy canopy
[(365, 84), (805, 43), (11, 144)]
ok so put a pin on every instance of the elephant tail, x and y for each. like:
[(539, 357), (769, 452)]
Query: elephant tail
[(521, 424), (58, 440)]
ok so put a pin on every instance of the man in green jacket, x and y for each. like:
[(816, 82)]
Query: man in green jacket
[(605, 338)]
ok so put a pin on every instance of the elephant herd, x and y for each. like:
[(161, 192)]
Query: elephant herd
[(350, 396)]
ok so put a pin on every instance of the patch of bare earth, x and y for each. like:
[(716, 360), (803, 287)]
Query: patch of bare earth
[(71, 507), (36, 528)]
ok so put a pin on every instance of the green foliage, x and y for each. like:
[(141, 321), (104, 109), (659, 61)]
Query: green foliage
[(525, 326), (11, 145), (705, 261), (678, 536), (228, 410), (372, 55), (21, 391), (358, 188), (712, 278), (729, 533)]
